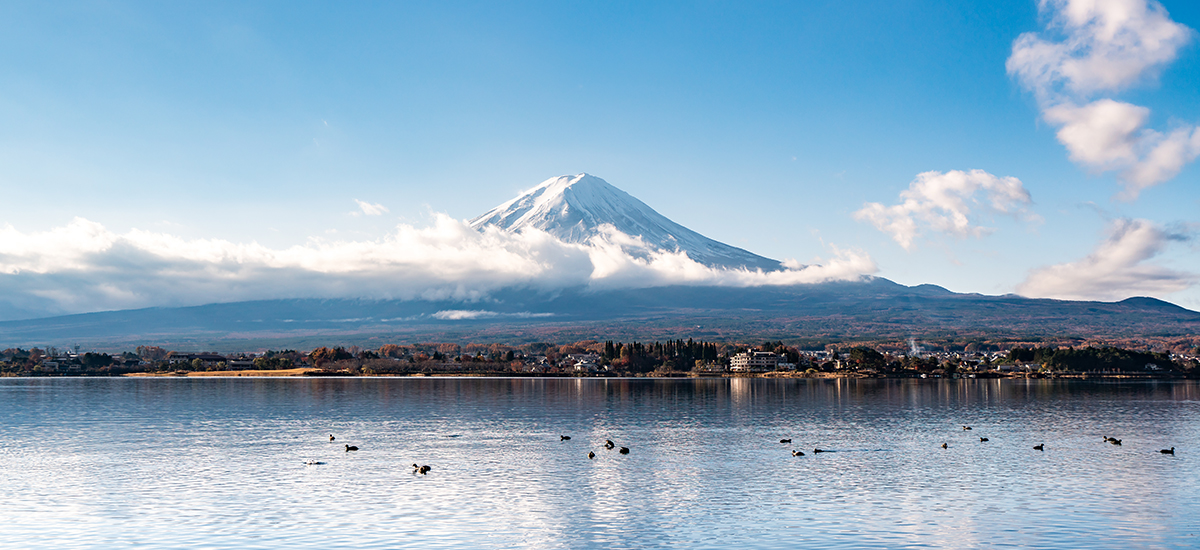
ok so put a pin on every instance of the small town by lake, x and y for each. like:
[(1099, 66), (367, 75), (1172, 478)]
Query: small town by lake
[(168, 462)]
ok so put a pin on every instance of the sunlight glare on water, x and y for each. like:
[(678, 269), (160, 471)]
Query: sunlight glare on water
[(220, 463)]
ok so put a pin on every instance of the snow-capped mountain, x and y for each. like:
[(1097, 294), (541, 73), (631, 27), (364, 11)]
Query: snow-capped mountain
[(575, 209)]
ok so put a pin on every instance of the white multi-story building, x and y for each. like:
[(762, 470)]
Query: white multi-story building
[(754, 361)]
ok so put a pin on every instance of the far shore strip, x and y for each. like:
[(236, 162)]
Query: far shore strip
[(286, 372)]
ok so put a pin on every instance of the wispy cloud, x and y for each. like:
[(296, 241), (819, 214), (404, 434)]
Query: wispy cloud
[(85, 267), (1104, 47), (472, 314), (1118, 268), (944, 202), (369, 209)]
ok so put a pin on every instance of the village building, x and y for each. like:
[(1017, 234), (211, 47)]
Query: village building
[(754, 361)]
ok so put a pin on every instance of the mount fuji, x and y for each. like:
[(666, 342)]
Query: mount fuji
[(580, 208), (586, 209)]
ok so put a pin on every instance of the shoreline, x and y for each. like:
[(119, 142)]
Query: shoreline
[(310, 372)]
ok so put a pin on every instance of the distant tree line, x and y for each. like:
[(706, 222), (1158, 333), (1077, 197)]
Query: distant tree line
[(1095, 359)]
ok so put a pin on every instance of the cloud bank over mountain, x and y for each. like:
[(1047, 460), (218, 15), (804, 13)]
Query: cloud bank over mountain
[(83, 266), (1119, 267)]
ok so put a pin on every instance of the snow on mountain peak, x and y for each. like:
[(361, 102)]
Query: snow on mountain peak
[(577, 208)]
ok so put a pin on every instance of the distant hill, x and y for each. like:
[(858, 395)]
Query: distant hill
[(873, 309)]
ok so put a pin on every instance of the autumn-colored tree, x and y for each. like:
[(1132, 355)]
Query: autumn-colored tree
[(322, 355), (151, 353)]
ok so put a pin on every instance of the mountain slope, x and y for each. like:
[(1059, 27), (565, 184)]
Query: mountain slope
[(576, 208), (836, 311)]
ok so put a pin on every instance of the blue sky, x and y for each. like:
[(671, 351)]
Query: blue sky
[(249, 129)]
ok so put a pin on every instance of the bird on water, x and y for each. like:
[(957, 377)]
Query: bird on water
[(1170, 451), (1039, 447), (965, 428), (421, 469), (982, 439), (564, 438), (797, 453), (591, 455), (945, 446), (819, 451), (785, 441), (608, 444), (351, 448), (1114, 441), (331, 438), (624, 450)]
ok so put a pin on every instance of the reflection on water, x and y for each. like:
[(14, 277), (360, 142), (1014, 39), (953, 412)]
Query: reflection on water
[(219, 463)]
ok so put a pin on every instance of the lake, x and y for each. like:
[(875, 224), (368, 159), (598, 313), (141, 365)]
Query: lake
[(220, 463)]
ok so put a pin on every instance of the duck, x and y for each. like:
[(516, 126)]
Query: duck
[(1039, 447), (1114, 441), (797, 453), (591, 455), (313, 463), (421, 469), (351, 448), (624, 450), (819, 451), (965, 428), (945, 446), (331, 438), (608, 444), (785, 441), (1107, 439), (1170, 451), (564, 438), (982, 439)]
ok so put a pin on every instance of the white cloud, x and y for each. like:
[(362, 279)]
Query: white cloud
[(943, 202), (1165, 156), (368, 209), (1111, 135), (1101, 135), (85, 267), (1105, 46), (471, 314), (1120, 267)]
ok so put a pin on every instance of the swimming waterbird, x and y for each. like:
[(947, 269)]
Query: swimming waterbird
[(608, 444), (785, 441), (1170, 451), (351, 448), (624, 450), (564, 438), (1039, 447), (591, 455), (982, 439), (797, 453), (331, 438)]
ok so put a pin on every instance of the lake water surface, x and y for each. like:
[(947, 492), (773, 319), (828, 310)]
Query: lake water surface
[(220, 463)]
